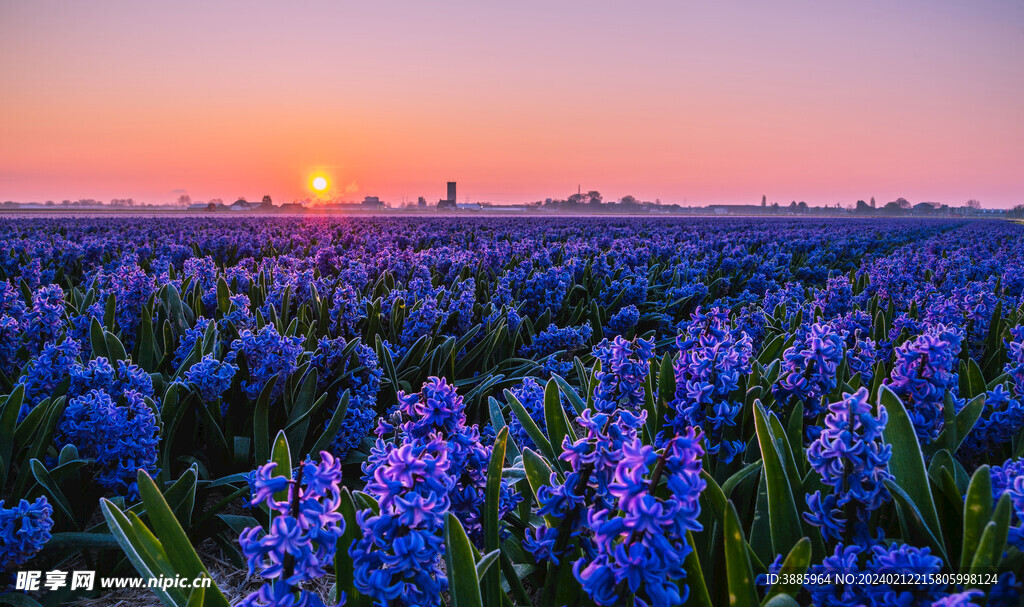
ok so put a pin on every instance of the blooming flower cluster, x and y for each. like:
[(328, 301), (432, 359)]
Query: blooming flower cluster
[(24, 528), (809, 369), (303, 535), (350, 366), (640, 542), (624, 370), (267, 353), (211, 377), (708, 368), (120, 436), (925, 370), (852, 458), (398, 559), (894, 560)]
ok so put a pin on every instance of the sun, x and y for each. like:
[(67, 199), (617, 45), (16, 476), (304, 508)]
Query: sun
[(319, 184)]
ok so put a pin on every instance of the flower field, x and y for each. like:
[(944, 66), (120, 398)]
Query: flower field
[(514, 411)]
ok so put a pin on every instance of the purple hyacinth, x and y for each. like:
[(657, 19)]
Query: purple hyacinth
[(267, 353), (708, 368), (641, 541), (303, 535), (924, 372), (623, 373), (809, 369), (45, 372), (211, 377), (852, 458), (398, 559)]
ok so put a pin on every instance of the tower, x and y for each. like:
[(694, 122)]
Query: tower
[(451, 191)]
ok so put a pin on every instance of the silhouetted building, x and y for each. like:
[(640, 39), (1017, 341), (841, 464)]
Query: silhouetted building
[(421, 202), (451, 191), (373, 202)]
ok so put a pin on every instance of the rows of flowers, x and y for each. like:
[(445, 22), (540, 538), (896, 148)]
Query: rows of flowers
[(536, 412)]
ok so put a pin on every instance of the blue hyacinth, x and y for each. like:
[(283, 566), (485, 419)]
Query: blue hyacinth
[(267, 353), (120, 436), (852, 458), (809, 369), (398, 559), (24, 528), (708, 368), (924, 372), (211, 377), (45, 372), (303, 535), (641, 541)]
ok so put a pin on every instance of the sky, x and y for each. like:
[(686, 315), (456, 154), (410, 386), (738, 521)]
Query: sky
[(686, 102)]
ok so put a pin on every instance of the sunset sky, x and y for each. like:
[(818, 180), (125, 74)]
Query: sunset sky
[(689, 102)]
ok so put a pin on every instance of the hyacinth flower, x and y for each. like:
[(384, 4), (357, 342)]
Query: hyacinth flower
[(24, 529), (852, 458), (923, 373), (438, 410), (1009, 479), (45, 321), (592, 461), (267, 353), (398, 559), (360, 373), (641, 542), (10, 341), (303, 535), (809, 369), (120, 436), (623, 321), (896, 560), (211, 377), (623, 373), (189, 339), (708, 367), (1015, 367), (114, 379), (45, 372), (555, 339), (1001, 420)]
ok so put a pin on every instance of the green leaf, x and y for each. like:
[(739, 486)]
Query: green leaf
[(146, 564), (115, 350), (223, 296), (42, 476), (977, 513), (99, 342), (485, 563), (993, 539), (179, 550), (554, 416), (281, 456), (463, 584), (796, 563), (538, 474), (343, 567), (964, 421), (699, 596), (530, 426), (742, 592), (331, 431), (261, 422), (491, 522), (915, 530), (907, 462), (782, 511)]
